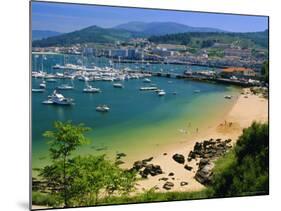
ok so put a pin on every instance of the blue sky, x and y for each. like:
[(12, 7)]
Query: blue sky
[(69, 17)]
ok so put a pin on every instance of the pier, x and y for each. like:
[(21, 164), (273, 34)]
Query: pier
[(196, 78)]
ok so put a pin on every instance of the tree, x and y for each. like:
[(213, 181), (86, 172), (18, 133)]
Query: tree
[(247, 173), (80, 180), (63, 141), (265, 71)]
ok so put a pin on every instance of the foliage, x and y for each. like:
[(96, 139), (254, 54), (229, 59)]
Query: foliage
[(206, 39), (63, 141), (80, 180), (265, 71), (45, 199), (244, 171)]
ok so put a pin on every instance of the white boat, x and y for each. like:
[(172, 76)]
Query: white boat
[(146, 80), (148, 88), (227, 96), (102, 108), (42, 85), (48, 102), (65, 87), (162, 93), (197, 91), (58, 99), (38, 90), (90, 89), (61, 100), (118, 85), (51, 80)]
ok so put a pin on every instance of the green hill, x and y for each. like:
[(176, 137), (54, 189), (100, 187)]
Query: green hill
[(90, 34), (207, 39)]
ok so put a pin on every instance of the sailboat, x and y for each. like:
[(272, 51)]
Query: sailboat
[(89, 89), (66, 86)]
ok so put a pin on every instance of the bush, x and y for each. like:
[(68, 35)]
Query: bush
[(244, 171)]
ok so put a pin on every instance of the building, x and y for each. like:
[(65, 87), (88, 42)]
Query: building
[(122, 53), (239, 72), (243, 53)]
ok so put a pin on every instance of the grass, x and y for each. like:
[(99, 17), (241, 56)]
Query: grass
[(44, 199), (149, 196)]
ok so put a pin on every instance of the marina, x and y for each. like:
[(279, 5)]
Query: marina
[(115, 99)]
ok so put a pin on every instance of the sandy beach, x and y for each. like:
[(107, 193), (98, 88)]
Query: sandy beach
[(247, 108)]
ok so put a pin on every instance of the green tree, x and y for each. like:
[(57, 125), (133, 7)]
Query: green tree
[(247, 171), (265, 71), (63, 141)]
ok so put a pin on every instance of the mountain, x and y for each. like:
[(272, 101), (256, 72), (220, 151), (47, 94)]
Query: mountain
[(207, 39), (162, 28), (90, 34), (40, 34)]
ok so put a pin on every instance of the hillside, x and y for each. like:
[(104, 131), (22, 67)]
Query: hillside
[(207, 39), (40, 34), (90, 34), (162, 28)]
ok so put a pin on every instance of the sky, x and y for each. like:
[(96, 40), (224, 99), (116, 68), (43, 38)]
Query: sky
[(70, 17)]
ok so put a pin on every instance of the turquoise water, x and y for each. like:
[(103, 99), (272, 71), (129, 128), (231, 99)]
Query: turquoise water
[(138, 121)]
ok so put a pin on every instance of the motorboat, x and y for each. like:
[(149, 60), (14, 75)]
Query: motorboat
[(38, 90), (90, 89), (197, 91), (148, 88), (102, 108), (146, 80), (65, 87), (161, 93), (118, 85), (58, 99), (42, 85), (51, 80)]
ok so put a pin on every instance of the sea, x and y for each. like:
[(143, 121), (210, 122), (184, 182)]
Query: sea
[(139, 122)]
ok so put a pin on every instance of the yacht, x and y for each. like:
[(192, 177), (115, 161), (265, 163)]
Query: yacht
[(90, 89), (59, 99), (118, 85), (102, 108)]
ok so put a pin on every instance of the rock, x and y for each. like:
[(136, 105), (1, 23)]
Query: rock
[(163, 178), (183, 183), (168, 185), (187, 167), (152, 170), (173, 178), (228, 140), (164, 153), (138, 165), (179, 158), (119, 162), (171, 174), (120, 155), (204, 173), (147, 160)]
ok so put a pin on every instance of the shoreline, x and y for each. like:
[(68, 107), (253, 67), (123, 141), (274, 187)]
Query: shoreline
[(247, 108)]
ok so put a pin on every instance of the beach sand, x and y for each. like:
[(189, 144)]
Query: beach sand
[(248, 108)]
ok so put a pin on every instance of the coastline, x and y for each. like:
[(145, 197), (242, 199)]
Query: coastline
[(247, 108)]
